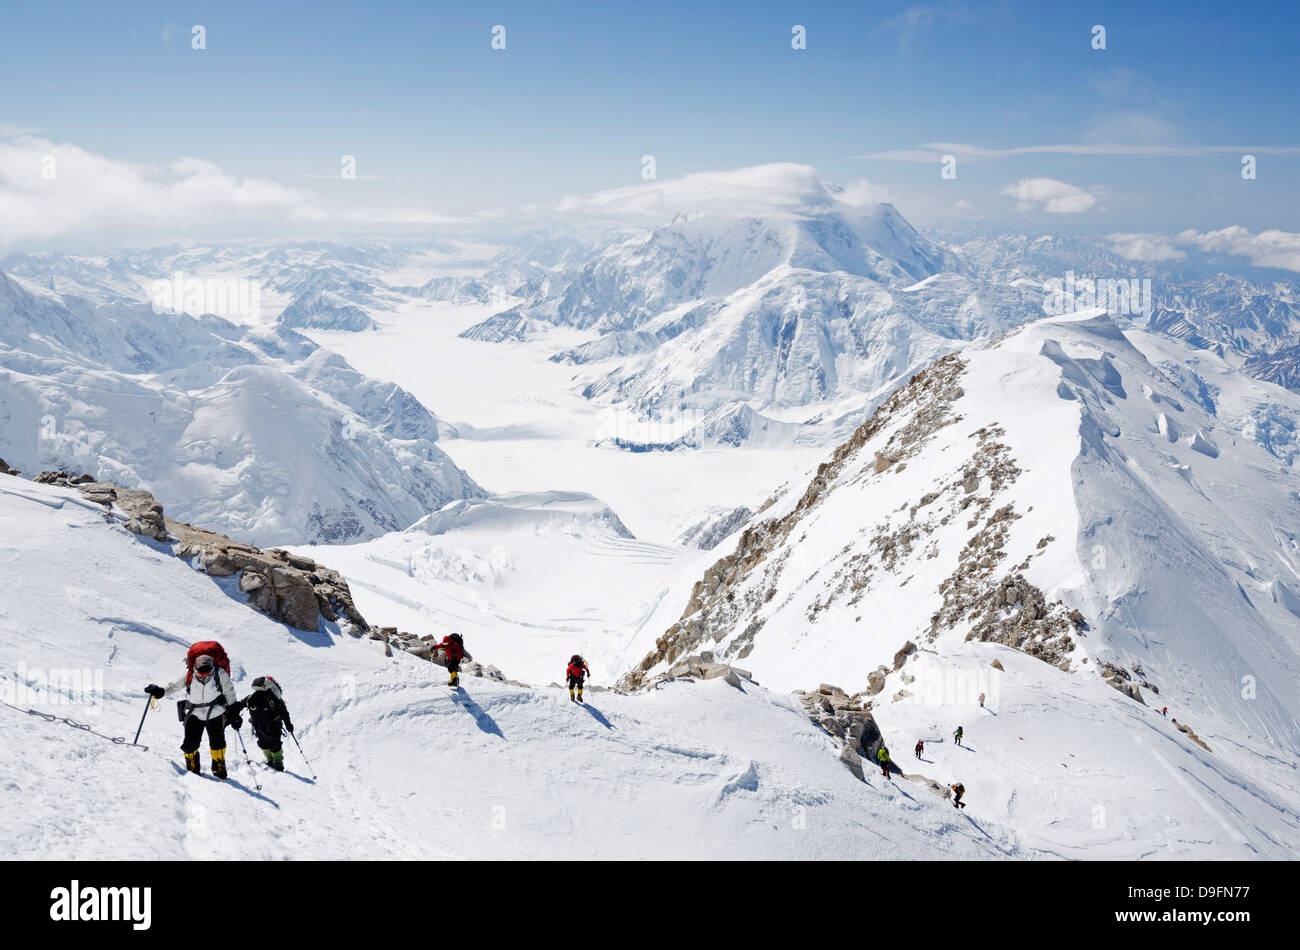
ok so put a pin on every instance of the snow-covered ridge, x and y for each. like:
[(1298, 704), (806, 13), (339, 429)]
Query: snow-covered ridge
[(1053, 492), (943, 501)]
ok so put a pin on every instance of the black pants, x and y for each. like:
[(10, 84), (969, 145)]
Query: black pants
[(267, 733), (575, 682), (194, 729)]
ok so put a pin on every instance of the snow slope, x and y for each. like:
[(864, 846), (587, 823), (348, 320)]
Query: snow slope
[(405, 768)]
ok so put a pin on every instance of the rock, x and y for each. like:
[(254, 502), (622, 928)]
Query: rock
[(970, 483), (732, 678), (6, 470), (997, 665), (141, 506), (288, 597), (875, 683), (849, 756), (901, 656), (882, 462), (1187, 730), (217, 563), (250, 581)]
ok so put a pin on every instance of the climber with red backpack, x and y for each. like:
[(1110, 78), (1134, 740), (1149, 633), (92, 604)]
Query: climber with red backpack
[(450, 652), (576, 672), (209, 704)]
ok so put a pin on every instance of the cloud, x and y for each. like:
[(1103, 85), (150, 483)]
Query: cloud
[(775, 190), (1144, 247), (52, 190), (917, 19), (935, 151), (1272, 248), (1056, 197), (48, 189)]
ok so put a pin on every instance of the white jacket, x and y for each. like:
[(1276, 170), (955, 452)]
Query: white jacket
[(207, 700)]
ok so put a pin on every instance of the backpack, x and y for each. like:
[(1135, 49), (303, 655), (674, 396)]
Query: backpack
[(456, 637), (205, 648), (959, 789), (575, 660), (269, 684)]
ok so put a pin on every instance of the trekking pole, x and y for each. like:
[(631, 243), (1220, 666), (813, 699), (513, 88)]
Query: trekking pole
[(240, 736), (304, 755), (148, 704)]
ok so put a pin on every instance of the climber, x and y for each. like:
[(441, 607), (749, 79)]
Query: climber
[(453, 649), (268, 715), (957, 735), (576, 672), (1164, 711), (883, 758), (209, 704), (920, 747), (981, 700), (958, 791)]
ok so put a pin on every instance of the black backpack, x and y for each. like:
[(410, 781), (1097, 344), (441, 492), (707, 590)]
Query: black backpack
[(575, 660)]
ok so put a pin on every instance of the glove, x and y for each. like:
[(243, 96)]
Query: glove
[(235, 720), (289, 726), (157, 692)]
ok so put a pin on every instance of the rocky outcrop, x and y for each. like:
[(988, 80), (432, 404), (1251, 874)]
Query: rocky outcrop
[(1187, 731), (845, 718), (292, 589), (6, 470)]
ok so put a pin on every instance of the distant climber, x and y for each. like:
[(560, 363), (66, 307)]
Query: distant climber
[(981, 700), (958, 791), (920, 747), (268, 715), (957, 735), (576, 672), (209, 704), (1164, 711), (453, 651), (883, 758)]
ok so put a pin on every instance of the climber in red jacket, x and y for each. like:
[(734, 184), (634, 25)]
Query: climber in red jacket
[(453, 649), (576, 672)]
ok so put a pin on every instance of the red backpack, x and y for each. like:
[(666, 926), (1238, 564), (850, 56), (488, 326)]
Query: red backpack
[(206, 648)]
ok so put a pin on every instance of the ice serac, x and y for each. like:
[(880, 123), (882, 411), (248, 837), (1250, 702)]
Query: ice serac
[(530, 511)]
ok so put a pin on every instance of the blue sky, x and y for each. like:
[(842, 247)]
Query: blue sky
[(440, 121)]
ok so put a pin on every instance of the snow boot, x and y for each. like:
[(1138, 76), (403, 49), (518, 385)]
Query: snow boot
[(455, 680), (192, 763), (579, 695), (571, 699), (218, 763), (276, 760)]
